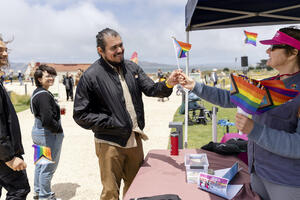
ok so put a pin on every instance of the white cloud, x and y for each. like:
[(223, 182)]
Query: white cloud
[(43, 33), (64, 31)]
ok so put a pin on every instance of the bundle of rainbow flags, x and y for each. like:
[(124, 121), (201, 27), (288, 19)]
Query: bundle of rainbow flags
[(42, 155), (256, 97)]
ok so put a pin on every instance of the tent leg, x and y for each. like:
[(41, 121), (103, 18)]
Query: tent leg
[(186, 98), (214, 124)]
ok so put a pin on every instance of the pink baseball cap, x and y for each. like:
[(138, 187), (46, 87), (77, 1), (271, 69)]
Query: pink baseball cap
[(282, 38)]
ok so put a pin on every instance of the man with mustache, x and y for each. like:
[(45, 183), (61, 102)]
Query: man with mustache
[(12, 167), (109, 101)]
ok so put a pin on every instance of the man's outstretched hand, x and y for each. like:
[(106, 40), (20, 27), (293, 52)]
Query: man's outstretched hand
[(173, 78)]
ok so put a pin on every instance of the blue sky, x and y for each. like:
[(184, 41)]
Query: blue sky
[(64, 31)]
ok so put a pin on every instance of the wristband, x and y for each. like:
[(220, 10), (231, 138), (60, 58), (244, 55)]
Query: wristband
[(169, 86)]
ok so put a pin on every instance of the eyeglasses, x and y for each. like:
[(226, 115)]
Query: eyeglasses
[(50, 76), (278, 46)]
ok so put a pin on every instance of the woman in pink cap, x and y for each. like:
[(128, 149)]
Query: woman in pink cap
[(274, 136)]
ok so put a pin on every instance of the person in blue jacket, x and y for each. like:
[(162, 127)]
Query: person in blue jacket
[(274, 136)]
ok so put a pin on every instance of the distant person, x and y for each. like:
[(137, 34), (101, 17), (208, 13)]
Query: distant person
[(274, 136), (214, 77), (31, 75), (109, 101), (68, 81), (10, 76), (20, 77), (78, 76), (47, 130), (13, 175), (160, 75)]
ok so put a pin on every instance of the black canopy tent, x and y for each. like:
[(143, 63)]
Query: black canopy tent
[(217, 14), (213, 14)]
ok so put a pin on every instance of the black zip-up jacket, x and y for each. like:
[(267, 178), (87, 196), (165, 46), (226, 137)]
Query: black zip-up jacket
[(46, 109), (100, 105), (10, 134)]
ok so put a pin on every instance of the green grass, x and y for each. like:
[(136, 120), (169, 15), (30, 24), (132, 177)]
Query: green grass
[(199, 135), (20, 102), (20, 108)]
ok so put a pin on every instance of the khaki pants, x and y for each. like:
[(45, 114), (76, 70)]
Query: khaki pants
[(116, 164)]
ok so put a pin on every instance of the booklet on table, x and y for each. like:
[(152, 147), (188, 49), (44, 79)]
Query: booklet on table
[(219, 182)]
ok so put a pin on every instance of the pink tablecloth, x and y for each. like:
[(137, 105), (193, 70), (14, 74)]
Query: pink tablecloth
[(165, 174), (243, 156)]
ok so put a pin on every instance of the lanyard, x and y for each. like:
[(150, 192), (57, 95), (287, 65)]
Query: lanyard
[(278, 76)]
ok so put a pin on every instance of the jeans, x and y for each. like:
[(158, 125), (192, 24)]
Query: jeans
[(273, 191), (43, 173)]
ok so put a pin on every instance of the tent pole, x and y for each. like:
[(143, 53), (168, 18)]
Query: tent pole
[(186, 98)]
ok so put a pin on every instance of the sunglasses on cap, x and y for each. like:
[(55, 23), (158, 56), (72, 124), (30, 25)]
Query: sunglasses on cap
[(278, 46)]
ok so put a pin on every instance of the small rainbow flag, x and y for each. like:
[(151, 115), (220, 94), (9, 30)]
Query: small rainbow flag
[(256, 97), (134, 57), (250, 38), (42, 155), (182, 48)]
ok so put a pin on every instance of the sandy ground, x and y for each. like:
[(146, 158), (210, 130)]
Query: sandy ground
[(77, 176)]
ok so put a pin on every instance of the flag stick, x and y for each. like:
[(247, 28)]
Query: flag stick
[(176, 52)]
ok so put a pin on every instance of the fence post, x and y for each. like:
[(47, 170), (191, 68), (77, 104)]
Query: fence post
[(25, 88)]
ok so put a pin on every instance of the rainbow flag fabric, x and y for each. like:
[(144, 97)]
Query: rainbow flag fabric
[(182, 48), (42, 155), (250, 38), (256, 97), (245, 95), (278, 93), (134, 57)]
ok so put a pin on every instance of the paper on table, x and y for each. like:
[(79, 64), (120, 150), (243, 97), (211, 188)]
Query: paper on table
[(219, 183)]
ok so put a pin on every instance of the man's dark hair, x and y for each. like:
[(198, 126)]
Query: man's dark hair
[(39, 73), (294, 32), (100, 37)]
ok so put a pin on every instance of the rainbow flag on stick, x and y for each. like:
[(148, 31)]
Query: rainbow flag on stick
[(134, 57), (42, 155), (250, 38), (181, 48), (256, 97)]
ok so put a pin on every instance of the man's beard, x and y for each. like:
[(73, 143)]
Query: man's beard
[(115, 64)]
